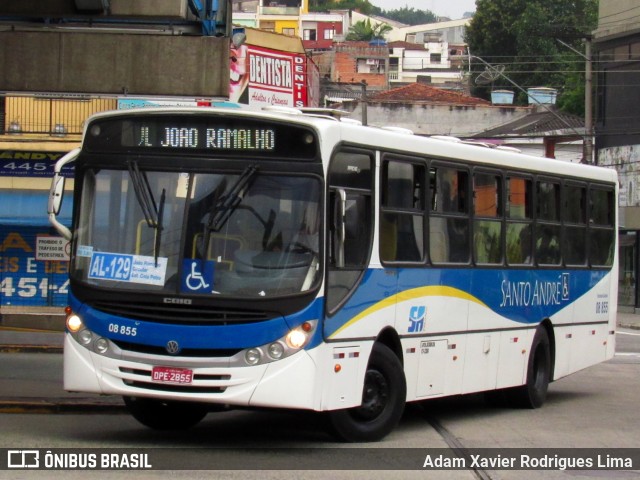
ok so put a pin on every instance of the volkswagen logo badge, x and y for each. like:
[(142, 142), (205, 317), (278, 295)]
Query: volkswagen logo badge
[(173, 347)]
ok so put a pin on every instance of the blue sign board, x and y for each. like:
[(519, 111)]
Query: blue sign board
[(31, 164), (25, 280)]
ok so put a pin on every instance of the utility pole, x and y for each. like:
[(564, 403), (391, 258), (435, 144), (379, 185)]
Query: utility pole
[(363, 84), (587, 151), (588, 106)]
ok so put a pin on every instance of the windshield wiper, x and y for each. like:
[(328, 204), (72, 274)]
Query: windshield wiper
[(227, 204), (223, 209), (152, 213), (158, 240)]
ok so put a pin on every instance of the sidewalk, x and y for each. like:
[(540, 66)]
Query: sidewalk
[(629, 320), (32, 383)]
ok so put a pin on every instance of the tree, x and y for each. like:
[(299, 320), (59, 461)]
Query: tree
[(406, 15), (363, 6), (364, 30), (522, 35)]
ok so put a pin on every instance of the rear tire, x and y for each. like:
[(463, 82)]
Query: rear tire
[(164, 414), (533, 393), (383, 399)]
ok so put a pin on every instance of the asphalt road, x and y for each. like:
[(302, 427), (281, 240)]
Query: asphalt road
[(596, 408)]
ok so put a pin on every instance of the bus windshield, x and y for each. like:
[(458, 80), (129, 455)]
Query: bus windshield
[(220, 234)]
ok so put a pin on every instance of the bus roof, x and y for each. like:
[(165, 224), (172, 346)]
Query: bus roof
[(336, 128)]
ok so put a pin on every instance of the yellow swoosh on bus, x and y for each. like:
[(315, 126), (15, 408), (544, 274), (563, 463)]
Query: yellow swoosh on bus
[(431, 291)]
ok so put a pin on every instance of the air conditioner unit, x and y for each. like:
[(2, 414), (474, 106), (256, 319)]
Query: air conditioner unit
[(372, 61)]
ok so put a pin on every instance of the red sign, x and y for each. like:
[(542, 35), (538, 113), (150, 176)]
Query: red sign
[(264, 77)]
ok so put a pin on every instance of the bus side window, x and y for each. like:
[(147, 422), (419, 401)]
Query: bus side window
[(350, 223), (601, 226), (402, 218), (487, 209), (548, 223), (449, 236), (519, 249), (575, 224)]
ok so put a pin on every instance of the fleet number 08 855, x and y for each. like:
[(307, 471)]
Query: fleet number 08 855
[(602, 307), (123, 330)]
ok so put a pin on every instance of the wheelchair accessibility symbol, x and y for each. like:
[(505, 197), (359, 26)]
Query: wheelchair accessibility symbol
[(197, 276)]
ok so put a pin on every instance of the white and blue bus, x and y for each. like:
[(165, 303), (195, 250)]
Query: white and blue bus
[(228, 257)]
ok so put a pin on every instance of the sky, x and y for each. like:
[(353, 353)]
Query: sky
[(453, 9)]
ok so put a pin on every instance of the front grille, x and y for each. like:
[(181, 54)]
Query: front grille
[(197, 376), (160, 387), (163, 387), (191, 314), (187, 352)]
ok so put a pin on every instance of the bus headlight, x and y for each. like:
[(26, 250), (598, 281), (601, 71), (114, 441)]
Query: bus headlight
[(252, 356), (299, 336), (276, 350), (102, 345), (85, 337), (296, 339), (74, 323)]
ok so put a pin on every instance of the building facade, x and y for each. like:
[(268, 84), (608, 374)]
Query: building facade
[(616, 45)]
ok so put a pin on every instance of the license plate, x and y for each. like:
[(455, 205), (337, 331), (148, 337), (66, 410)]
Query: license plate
[(180, 376)]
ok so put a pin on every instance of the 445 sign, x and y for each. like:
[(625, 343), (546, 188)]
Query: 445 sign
[(30, 164)]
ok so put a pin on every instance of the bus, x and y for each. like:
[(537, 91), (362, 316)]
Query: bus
[(288, 259)]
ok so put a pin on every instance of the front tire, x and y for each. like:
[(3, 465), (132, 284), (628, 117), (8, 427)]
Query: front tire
[(163, 414), (533, 393), (383, 399)]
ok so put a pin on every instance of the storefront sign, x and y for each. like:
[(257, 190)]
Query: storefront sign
[(15, 163)]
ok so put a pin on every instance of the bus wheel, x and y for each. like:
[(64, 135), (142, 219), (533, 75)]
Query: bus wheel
[(163, 414), (533, 393), (383, 398)]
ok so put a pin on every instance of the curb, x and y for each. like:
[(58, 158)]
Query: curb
[(632, 326), (30, 349), (60, 405)]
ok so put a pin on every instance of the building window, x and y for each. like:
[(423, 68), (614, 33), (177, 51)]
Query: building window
[(309, 34), (435, 58), (329, 34), (370, 65), (268, 26), (289, 31)]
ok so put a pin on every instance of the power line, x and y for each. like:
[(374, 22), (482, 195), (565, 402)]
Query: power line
[(620, 13)]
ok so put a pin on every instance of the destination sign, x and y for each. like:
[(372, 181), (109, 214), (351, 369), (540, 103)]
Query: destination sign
[(216, 138), (210, 134)]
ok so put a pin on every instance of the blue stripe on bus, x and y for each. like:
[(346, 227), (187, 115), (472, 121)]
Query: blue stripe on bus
[(522, 296)]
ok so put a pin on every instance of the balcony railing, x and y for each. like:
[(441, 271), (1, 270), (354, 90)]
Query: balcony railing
[(280, 10), (57, 116)]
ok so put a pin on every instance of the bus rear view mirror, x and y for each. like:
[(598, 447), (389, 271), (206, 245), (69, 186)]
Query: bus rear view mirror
[(56, 194), (57, 191), (339, 210)]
